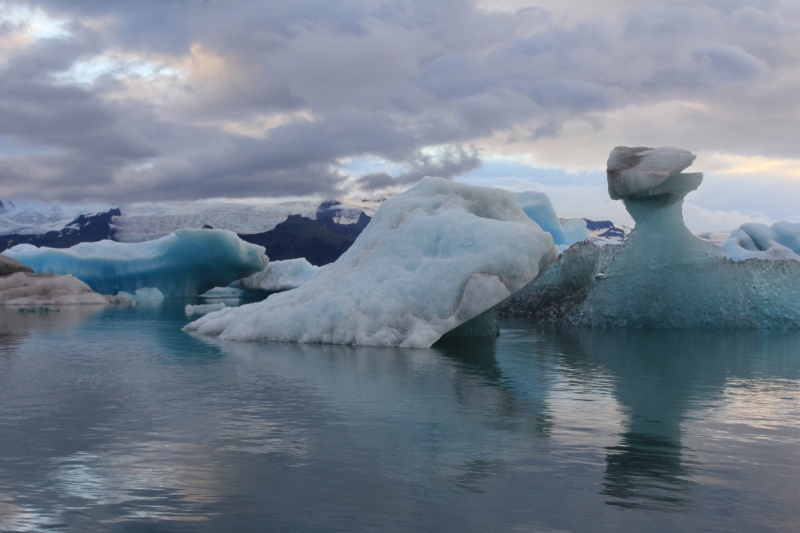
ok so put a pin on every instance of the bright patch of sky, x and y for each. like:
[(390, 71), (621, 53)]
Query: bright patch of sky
[(361, 166), (119, 67), (38, 24)]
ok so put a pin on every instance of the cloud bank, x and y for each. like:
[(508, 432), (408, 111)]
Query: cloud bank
[(182, 99)]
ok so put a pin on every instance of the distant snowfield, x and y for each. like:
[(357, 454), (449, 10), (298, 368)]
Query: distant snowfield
[(151, 220)]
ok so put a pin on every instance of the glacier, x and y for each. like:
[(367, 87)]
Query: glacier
[(187, 262), (278, 276), (661, 276), (432, 258), (538, 207), (758, 241)]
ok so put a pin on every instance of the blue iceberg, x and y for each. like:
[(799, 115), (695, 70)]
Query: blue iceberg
[(538, 207), (185, 263)]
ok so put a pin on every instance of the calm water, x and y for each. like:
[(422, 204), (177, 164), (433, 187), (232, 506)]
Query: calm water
[(115, 420)]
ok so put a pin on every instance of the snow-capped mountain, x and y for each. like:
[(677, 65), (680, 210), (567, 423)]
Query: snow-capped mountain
[(30, 221)]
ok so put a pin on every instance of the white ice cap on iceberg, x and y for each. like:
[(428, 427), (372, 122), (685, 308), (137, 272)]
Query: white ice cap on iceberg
[(635, 170)]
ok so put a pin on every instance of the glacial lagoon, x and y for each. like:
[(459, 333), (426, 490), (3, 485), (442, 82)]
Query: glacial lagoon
[(113, 419)]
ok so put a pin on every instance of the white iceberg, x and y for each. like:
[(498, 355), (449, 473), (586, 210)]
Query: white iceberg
[(757, 241), (185, 263), (662, 276), (431, 259), (278, 276), (145, 294)]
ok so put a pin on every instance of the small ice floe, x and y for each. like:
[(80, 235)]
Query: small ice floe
[(146, 294), (202, 309)]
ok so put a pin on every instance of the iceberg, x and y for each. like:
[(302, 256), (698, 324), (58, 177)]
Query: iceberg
[(538, 207), (203, 309), (661, 276), (185, 263), (757, 241), (23, 289), (278, 276), (12, 266), (432, 258)]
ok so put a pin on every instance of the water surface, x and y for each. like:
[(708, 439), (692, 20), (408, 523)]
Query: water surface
[(116, 420)]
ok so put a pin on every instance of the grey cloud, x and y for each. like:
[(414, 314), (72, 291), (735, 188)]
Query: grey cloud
[(452, 163), (373, 78)]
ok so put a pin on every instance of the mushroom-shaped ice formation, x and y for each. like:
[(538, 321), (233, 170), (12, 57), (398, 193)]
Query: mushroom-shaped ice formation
[(662, 276)]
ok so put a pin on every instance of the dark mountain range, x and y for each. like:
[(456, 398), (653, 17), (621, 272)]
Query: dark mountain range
[(85, 228), (320, 241), (605, 229)]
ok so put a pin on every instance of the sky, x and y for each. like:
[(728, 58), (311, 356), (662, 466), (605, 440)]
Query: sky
[(119, 101)]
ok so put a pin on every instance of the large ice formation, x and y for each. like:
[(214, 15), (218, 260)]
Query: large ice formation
[(538, 207), (757, 241), (278, 276), (185, 263), (431, 259), (662, 276)]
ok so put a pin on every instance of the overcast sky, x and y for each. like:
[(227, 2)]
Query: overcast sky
[(121, 101)]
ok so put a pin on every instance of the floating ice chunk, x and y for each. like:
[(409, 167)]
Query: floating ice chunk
[(757, 241), (662, 276), (637, 170), (539, 209), (223, 292), (203, 309), (432, 258), (25, 289), (145, 294), (279, 276), (185, 263), (120, 300)]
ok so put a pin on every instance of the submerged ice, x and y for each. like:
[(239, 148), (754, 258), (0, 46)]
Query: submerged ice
[(431, 259), (185, 263), (662, 276)]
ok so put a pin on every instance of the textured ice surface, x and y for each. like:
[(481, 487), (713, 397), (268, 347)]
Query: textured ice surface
[(203, 309), (432, 258), (636, 170), (662, 276), (25, 289), (278, 276), (10, 266), (185, 263), (757, 241)]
